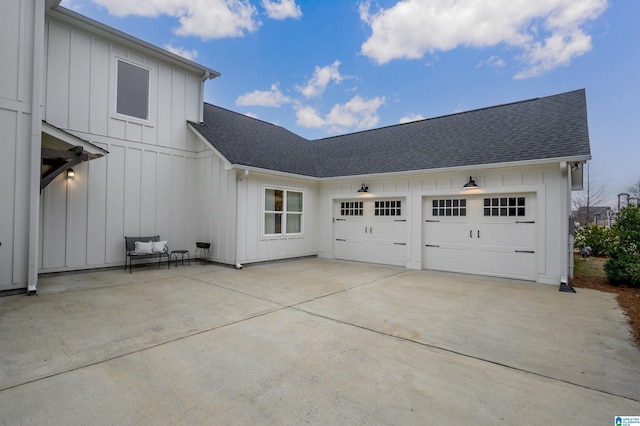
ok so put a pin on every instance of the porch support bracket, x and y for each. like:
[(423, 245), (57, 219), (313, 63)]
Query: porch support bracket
[(60, 161)]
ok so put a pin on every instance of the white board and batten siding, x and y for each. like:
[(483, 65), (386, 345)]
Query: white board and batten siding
[(254, 245), (16, 69), (522, 242), (152, 177)]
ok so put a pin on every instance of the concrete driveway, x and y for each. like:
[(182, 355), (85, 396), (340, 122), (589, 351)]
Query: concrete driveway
[(312, 341)]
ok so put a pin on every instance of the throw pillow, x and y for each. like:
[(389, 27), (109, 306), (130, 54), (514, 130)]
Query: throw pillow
[(158, 246), (144, 247)]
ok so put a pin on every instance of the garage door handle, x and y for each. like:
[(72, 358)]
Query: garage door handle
[(371, 229), (470, 233), (478, 233), (431, 245), (400, 220), (340, 239), (400, 244), (428, 220), (341, 219), (365, 229), (525, 251), (525, 221)]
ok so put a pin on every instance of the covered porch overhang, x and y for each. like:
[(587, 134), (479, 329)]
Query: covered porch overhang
[(61, 151)]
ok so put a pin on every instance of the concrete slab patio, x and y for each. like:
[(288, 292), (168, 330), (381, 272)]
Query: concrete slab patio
[(312, 341)]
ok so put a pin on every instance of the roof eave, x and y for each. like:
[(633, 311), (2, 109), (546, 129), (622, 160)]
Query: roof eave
[(225, 161), (466, 169), (68, 16), (275, 172), (71, 140)]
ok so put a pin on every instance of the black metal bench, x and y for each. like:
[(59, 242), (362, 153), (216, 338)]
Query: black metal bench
[(130, 246)]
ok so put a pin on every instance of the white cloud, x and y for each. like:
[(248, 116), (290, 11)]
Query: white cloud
[(202, 18), (181, 51), (268, 98), (282, 10), (493, 61), (411, 117), (548, 32), (358, 113), (71, 4), (556, 51), (321, 78), (308, 117)]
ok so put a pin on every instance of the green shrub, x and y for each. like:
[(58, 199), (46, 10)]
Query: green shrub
[(600, 239), (623, 268)]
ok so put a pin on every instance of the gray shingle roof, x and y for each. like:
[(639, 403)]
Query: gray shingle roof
[(536, 129)]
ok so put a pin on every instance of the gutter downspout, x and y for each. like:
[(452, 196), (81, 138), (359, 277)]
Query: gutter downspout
[(237, 263), (207, 76), (36, 145), (566, 240)]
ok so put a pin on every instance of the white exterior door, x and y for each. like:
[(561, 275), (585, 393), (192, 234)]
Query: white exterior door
[(482, 234), (371, 231)]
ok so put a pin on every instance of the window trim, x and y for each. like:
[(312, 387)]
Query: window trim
[(284, 212), (150, 95)]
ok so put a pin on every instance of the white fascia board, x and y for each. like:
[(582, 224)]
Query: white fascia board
[(276, 173), (76, 20), (73, 140), (52, 4), (466, 169)]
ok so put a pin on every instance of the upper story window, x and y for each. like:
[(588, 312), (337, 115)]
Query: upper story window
[(282, 212), (132, 96)]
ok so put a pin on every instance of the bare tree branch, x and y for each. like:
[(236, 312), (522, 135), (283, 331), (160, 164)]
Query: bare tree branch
[(593, 195)]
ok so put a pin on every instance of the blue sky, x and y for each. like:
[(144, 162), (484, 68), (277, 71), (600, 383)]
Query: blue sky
[(320, 68)]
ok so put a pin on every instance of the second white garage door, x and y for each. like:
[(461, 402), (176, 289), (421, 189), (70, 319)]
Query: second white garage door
[(372, 230), (482, 234)]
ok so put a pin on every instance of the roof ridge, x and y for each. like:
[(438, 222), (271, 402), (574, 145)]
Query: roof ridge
[(429, 119), (541, 128), (446, 115)]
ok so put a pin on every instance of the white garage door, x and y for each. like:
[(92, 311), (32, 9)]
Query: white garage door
[(486, 235), (372, 230)]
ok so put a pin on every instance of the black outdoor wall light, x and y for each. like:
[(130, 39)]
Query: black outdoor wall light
[(471, 184), (363, 188)]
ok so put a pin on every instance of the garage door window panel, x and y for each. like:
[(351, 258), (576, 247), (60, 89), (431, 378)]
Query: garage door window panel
[(505, 206), (388, 208), (351, 208), (449, 207)]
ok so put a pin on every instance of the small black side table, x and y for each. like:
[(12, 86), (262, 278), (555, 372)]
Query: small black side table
[(180, 254)]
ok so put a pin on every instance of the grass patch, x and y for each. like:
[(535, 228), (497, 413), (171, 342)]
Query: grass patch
[(594, 267)]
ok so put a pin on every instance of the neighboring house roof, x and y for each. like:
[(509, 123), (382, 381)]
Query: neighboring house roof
[(553, 127), (593, 211)]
